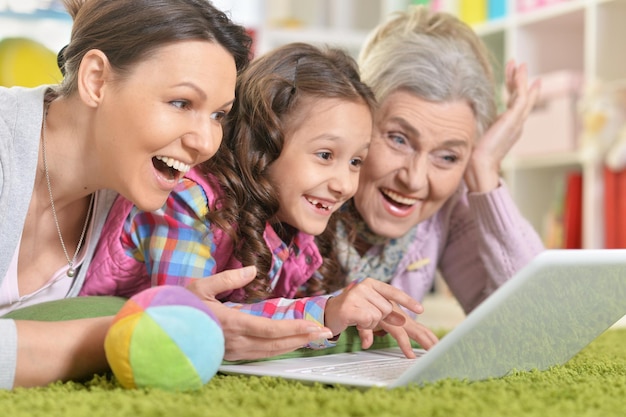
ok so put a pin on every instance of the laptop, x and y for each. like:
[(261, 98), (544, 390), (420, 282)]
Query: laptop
[(549, 311)]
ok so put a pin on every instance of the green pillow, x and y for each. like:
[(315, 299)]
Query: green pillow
[(98, 306), (69, 309)]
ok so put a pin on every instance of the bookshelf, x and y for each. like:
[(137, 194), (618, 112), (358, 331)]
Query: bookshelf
[(343, 23), (574, 35), (581, 36)]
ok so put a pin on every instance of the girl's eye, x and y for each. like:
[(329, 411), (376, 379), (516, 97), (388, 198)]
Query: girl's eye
[(181, 104), (324, 155), (219, 116), (356, 162)]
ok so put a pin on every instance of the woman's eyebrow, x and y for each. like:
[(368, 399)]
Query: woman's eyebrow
[(405, 125)]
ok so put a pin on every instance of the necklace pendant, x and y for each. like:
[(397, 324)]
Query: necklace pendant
[(71, 272)]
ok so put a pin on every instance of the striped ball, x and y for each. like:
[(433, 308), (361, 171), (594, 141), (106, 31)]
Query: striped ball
[(164, 337)]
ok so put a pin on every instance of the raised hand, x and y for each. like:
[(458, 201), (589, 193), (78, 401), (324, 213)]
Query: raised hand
[(248, 336), (483, 171)]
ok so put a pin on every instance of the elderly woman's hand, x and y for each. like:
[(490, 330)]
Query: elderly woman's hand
[(372, 305), (483, 171), (410, 330)]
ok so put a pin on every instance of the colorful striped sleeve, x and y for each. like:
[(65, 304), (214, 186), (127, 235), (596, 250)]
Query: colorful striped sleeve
[(308, 308), (175, 242)]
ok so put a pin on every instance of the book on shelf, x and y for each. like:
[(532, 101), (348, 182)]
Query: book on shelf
[(473, 11), (610, 208), (529, 5), (496, 9), (572, 211), (620, 196), (562, 227), (478, 11), (614, 208)]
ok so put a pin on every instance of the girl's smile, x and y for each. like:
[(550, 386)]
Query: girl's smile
[(318, 168)]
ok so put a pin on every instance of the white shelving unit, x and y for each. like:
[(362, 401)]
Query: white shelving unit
[(576, 35), (343, 23)]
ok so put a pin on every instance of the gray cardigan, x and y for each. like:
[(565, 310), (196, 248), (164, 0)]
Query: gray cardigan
[(21, 112)]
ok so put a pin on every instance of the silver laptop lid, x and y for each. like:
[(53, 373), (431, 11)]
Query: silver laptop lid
[(542, 317)]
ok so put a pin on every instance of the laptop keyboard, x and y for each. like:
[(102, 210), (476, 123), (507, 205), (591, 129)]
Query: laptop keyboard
[(378, 370)]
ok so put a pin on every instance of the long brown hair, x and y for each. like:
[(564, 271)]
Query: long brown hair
[(267, 92), (127, 31)]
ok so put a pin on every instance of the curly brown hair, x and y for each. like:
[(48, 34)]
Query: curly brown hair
[(267, 92)]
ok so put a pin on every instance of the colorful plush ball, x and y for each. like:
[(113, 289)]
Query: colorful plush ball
[(164, 337)]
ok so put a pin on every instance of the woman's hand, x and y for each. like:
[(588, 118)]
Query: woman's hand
[(247, 336), (483, 170)]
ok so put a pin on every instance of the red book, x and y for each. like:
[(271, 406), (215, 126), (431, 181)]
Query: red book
[(610, 208), (572, 211), (620, 211)]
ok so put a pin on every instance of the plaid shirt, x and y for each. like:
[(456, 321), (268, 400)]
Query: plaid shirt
[(176, 244)]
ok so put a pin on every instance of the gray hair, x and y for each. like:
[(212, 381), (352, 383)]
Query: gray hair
[(435, 56)]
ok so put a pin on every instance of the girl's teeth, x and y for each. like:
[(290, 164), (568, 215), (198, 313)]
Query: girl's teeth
[(318, 204)]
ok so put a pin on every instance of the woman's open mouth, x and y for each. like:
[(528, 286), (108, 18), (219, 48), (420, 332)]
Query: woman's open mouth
[(172, 169), (398, 199)]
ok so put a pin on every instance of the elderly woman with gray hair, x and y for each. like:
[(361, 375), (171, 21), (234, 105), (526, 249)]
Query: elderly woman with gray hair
[(430, 195)]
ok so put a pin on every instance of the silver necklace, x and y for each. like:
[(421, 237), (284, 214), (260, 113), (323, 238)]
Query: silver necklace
[(71, 271)]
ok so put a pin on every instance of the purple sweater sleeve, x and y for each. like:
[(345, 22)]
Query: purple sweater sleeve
[(488, 241)]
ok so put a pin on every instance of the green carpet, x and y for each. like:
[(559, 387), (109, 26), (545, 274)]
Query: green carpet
[(593, 383)]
